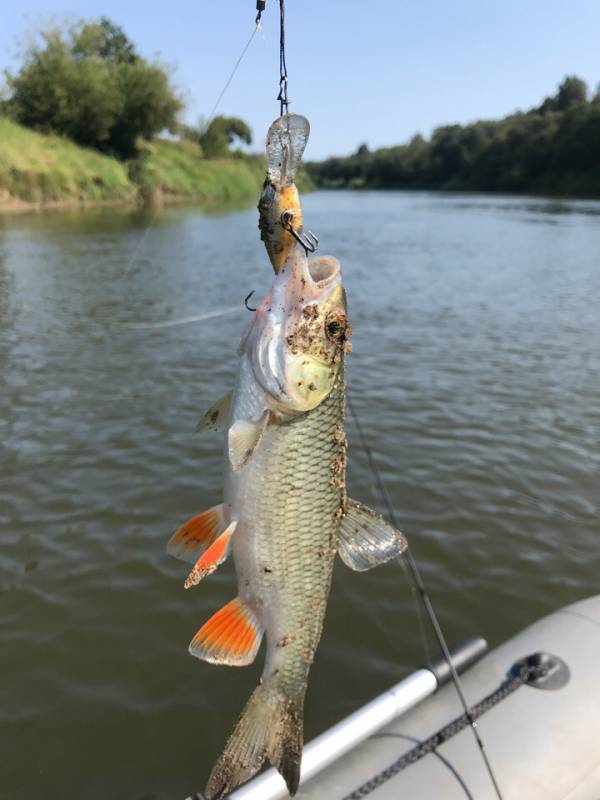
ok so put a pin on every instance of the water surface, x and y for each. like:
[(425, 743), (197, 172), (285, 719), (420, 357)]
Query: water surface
[(476, 375)]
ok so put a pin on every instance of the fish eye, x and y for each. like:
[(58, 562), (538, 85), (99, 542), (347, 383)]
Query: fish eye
[(336, 325)]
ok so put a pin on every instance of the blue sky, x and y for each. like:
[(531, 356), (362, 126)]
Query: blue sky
[(374, 71)]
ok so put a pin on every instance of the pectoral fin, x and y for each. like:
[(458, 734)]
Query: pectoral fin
[(244, 438), (212, 557), (215, 418), (192, 538), (366, 539), (231, 636)]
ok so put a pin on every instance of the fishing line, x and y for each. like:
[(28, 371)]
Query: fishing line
[(378, 481), (139, 243), (257, 27), (283, 74), (171, 323), (417, 606), (420, 586), (132, 258)]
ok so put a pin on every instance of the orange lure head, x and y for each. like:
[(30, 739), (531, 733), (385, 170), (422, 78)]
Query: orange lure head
[(279, 204)]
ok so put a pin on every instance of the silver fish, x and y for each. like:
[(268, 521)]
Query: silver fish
[(285, 512)]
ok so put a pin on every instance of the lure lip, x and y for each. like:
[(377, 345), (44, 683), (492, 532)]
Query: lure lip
[(287, 138)]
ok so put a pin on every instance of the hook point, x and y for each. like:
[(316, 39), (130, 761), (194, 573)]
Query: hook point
[(246, 301)]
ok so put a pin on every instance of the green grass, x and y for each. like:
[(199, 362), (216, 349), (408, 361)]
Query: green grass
[(178, 168), (40, 168)]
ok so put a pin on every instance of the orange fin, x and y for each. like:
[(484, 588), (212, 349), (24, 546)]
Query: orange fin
[(194, 536), (212, 557), (231, 636)]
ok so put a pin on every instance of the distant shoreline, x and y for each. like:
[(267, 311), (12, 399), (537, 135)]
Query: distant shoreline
[(551, 149), (463, 191), (14, 205)]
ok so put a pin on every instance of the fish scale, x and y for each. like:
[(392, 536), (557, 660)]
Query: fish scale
[(291, 507)]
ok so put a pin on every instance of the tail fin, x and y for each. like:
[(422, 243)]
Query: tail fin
[(271, 726)]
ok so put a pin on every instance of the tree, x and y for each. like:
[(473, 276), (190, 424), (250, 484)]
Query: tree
[(221, 133), (106, 40), (554, 147), (571, 92), (89, 83)]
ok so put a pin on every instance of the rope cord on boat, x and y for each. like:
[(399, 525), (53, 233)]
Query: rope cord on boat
[(409, 560), (522, 673)]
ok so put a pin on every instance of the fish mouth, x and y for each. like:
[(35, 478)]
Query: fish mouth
[(323, 270)]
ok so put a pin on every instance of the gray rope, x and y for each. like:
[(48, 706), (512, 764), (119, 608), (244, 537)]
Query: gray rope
[(524, 674)]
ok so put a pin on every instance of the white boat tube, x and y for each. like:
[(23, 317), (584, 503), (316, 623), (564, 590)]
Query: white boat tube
[(338, 740)]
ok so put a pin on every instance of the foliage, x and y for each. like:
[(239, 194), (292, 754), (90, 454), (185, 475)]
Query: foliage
[(166, 167), (41, 168), (89, 83), (552, 148), (216, 138)]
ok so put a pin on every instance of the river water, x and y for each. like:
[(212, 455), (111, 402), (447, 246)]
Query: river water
[(476, 376)]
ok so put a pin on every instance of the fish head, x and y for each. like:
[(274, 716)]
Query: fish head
[(300, 332)]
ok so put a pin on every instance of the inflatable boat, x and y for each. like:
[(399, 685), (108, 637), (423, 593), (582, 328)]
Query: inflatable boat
[(534, 702)]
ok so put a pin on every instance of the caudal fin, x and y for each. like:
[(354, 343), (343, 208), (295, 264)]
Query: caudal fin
[(271, 726)]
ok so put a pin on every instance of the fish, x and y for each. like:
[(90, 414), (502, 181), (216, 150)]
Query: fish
[(285, 512), (280, 211)]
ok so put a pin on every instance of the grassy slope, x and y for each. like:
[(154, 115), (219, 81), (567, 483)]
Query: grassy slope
[(41, 168), (178, 168)]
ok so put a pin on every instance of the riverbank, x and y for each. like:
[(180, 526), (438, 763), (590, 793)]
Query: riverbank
[(44, 171)]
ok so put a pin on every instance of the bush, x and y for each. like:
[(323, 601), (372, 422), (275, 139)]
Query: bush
[(88, 83), (216, 138)]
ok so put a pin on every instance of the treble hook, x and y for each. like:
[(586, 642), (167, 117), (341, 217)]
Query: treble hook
[(308, 240), (246, 301)]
